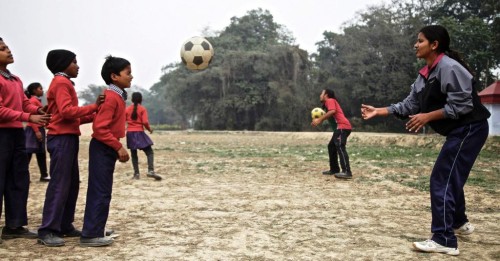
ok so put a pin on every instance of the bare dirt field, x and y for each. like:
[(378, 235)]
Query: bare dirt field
[(261, 196)]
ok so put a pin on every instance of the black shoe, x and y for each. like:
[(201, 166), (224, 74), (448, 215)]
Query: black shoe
[(20, 232), (344, 175), (95, 241), (136, 176), (329, 172), (51, 240), (73, 233), (152, 174), (44, 179), (109, 232)]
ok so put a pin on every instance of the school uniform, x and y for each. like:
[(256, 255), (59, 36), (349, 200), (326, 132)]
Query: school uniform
[(137, 139), (14, 174), (337, 144), (108, 128), (448, 85), (63, 145), (33, 145)]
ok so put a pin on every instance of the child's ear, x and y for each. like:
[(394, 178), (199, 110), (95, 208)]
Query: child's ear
[(114, 77)]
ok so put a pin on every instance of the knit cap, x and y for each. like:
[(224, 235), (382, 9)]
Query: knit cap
[(58, 60)]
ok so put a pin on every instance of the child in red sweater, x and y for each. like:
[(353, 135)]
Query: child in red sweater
[(35, 133), (14, 174), (104, 149), (337, 145), (137, 139), (63, 145)]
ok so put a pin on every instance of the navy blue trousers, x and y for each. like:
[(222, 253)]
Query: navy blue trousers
[(64, 185), (450, 172), (14, 176), (337, 150), (102, 160)]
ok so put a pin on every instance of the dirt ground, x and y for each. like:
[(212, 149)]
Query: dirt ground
[(243, 196)]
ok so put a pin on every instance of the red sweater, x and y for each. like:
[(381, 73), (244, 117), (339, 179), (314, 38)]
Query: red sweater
[(141, 121), (35, 101), (15, 107), (342, 121), (109, 123), (63, 105)]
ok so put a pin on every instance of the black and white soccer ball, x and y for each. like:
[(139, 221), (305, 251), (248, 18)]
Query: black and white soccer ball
[(316, 113), (197, 53)]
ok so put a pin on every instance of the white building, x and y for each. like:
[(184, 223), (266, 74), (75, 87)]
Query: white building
[(490, 98)]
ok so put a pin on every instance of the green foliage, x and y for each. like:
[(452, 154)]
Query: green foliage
[(474, 28), (255, 72)]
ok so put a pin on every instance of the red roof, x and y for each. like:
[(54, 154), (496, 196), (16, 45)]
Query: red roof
[(491, 94)]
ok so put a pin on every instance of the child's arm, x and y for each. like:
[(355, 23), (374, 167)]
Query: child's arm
[(145, 121), (87, 119), (102, 121), (29, 107), (8, 115), (65, 105)]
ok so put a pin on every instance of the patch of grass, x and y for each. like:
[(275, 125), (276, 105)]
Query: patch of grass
[(410, 239), (421, 183), (487, 180), (382, 161)]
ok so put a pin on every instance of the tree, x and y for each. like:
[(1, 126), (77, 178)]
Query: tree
[(90, 94), (474, 27), (255, 66), (371, 62)]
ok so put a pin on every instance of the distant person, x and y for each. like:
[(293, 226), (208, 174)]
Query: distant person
[(104, 149), (337, 145), (137, 139), (63, 145), (443, 96), (35, 133), (14, 166)]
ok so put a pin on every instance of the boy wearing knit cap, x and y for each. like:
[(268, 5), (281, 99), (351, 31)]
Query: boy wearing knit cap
[(15, 108), (104, 149), (63, 144)]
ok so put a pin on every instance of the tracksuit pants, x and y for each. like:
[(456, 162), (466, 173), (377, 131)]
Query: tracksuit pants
[(450, 172), (337, 151)]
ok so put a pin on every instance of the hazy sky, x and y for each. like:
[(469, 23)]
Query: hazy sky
[(148, 33)]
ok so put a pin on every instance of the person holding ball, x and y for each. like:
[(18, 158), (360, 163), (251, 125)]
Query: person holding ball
[(337, 145), (443, 96)]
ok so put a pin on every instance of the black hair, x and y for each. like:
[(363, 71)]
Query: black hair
[(1, 39), (330, 93), (136, 99), (113, 65), (440, 34), (30, 90)]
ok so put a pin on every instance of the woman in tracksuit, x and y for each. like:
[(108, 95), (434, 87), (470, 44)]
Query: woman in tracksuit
[(444, 96)]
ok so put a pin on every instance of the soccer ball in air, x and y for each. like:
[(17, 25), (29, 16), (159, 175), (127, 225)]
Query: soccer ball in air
[(317, 113), (197, 53)]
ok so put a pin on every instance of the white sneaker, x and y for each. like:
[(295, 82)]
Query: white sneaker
[(433, 247), (465, 229)]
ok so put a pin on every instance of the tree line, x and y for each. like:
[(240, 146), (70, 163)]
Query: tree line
[(260, 79)]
